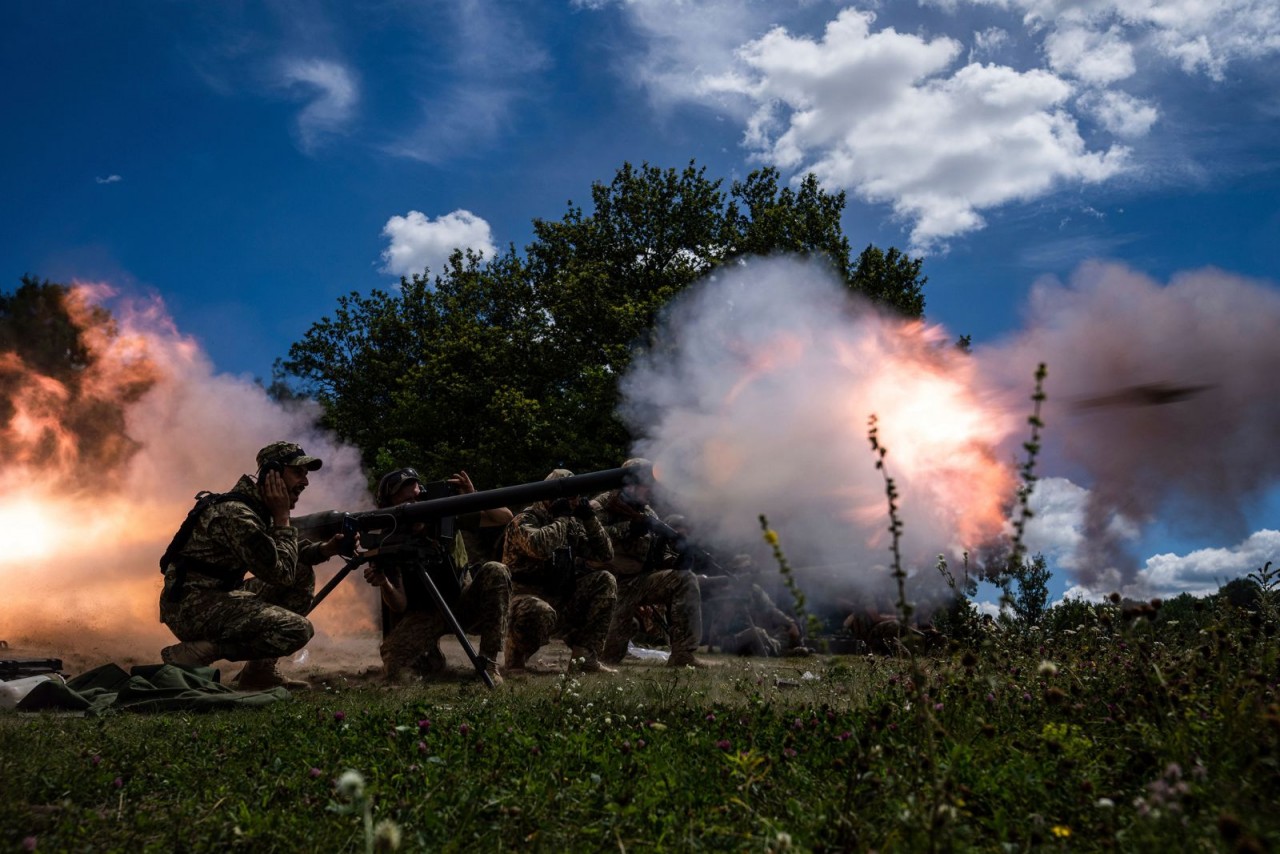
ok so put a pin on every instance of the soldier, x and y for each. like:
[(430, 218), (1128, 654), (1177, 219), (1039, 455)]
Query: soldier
[(553, 549), (642, 582), (207, 602), (478, 596)]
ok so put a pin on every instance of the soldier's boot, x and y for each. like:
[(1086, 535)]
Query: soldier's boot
[(191, 654), (263, 673), (513, 655), (585, 660), (495, 673), (684, 658), (432, 662)]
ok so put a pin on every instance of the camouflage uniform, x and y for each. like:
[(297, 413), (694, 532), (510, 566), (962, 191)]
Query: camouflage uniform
[(741, 619), (480, 608), (545, 606), (258, 618), (674, 591)]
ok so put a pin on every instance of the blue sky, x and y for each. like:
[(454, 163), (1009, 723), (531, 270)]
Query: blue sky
[(251, 162)]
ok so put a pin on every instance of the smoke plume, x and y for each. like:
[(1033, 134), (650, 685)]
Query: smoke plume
[(756, 399), (99, 474), (1160, 399)]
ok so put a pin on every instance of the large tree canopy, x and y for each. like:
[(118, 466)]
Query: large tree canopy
[(509, 366)]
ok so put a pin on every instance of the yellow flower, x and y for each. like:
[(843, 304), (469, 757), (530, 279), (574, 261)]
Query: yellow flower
[(771, 537), (1060, 830)]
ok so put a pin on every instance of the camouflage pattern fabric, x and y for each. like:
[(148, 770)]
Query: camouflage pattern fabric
[(481, 609), (582, 619), (741, 619), (674, 592), (543, 607), (263, 617)]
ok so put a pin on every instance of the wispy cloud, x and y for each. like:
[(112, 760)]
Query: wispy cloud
[(485, 67), (110, 179), (419, 242), (333, 95)]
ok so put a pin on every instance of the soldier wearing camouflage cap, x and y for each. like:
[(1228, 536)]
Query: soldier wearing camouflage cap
[(217, 612)]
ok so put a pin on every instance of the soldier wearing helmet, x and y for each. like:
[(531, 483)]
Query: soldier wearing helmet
[(479, 594)]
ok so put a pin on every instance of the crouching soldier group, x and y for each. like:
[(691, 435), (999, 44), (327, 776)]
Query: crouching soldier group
[(238, 581)]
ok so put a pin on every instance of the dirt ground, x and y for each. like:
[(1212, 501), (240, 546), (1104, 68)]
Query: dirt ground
[(346, 663)]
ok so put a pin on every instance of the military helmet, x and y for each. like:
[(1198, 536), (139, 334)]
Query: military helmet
[(391, 483)]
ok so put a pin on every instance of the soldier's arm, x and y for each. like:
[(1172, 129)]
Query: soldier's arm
[(532, 540), (269, 552), (599, 543)]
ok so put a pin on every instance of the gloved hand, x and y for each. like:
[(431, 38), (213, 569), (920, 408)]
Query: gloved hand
[(584, 510), (560, 507)]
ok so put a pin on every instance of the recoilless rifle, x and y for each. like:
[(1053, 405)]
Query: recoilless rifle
[(423, 525)]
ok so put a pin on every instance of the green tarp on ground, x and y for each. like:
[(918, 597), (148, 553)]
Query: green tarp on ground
[(145, 688)]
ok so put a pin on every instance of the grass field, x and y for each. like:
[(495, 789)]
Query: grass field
[(1105, 728)]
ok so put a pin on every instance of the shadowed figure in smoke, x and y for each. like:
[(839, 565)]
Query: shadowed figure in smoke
[(756, 400), (1160, 400)]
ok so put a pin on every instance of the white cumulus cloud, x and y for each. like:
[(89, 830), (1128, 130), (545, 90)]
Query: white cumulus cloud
[(419, 242), (881, 113)]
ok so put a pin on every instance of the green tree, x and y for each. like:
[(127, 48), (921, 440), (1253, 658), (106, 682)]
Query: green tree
[(509, 366)]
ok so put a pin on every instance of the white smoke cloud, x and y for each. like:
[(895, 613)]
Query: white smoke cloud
[(419, 242), (758, 400)]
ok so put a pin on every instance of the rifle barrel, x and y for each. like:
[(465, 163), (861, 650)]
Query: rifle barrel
[(322, 525)]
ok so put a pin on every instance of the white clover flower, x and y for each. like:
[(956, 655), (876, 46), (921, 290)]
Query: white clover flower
[(351, 784), (1048, 668), (1104, 803), (386, 836)]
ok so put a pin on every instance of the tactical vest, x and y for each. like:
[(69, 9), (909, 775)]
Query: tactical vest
[(229, 578)]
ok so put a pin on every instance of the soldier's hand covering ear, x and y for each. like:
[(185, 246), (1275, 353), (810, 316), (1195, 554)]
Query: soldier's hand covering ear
[(583, 509)]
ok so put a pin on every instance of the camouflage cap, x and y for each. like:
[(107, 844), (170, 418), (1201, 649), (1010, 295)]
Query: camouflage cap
[(287, 454), (556, 474)]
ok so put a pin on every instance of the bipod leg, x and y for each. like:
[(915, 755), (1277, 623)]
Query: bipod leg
[(335, 581), (478, 661)]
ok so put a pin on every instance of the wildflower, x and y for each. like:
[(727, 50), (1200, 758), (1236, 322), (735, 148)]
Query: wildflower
[(339, 716), (463, 729), (844, 736), (95, 760), (386, 836), (724, 744), (1047, 668), (424, 725), (639, 743), (29, 844), (771, 537), (937, 707), (991, 698), (118, 782), (1061, 831), (782, 842), (1104, 803), (789, 752), (711, 716), (625, 747), (351, 784), (422, 747), (314, 772)]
